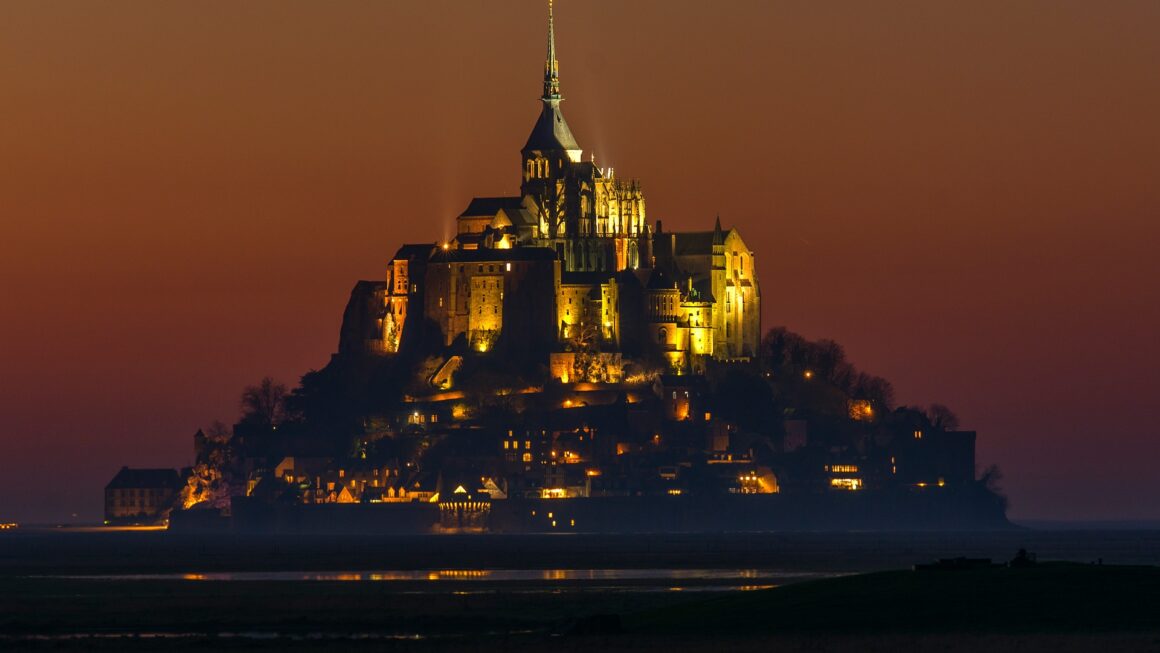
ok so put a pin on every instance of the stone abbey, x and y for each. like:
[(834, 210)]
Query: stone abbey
[(562, 364), (570, 270)]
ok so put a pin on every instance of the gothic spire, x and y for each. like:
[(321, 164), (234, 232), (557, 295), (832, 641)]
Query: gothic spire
[(718, 235), (551, 132), (551, 66)]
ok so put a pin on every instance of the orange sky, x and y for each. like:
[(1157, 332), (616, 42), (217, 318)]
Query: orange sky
[(963, 194)]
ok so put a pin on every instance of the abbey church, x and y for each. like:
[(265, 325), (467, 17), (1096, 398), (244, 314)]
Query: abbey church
[(569, 270), (566, 364)]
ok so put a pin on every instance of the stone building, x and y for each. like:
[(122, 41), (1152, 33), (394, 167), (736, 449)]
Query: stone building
[(570, 266), (141, 496)]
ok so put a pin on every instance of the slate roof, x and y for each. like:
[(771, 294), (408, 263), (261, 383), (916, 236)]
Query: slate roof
[(144, 478), (575, 278), (636, 278), (693, 242), (407, 252), (551, 131), (489, 206), (484, 255), (658, 280)]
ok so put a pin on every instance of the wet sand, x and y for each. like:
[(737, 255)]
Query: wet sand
[(153, 591)]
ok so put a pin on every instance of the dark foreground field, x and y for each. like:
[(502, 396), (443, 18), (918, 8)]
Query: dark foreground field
[(1052, 607), (71, 594)]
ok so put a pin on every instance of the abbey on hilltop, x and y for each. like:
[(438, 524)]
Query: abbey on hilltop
[(569, 270), (564, 365)]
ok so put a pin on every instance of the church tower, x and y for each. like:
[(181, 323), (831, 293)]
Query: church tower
[(550, 151), (594, 222)]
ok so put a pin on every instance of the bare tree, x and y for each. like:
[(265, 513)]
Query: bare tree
[(588, 364), (551, 207), (990, 479), (874, 389), (219, 432), (942, 418), (264, 404)]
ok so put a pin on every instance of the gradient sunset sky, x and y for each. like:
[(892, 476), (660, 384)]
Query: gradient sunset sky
[(966, 195)]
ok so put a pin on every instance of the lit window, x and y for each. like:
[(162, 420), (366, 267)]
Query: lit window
[(850, 484)]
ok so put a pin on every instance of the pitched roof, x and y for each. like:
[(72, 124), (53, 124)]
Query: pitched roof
[(489, 206), (144, 478), (632, 278), (407, 252), (658, 280), (586, 278), (522, 217), (551, 131), (693, 242), (484, 255)]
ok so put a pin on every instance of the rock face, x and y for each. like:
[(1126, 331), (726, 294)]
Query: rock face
[(362, 319)]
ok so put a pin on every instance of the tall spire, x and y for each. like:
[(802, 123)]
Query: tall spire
[(551, 133), (551, 66)]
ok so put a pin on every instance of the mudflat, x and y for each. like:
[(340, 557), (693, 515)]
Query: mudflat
[(150, 591)]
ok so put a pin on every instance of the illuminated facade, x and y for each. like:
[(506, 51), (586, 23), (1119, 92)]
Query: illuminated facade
[(140, 496), (572, 268)]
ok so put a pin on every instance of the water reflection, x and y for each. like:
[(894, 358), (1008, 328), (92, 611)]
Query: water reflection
[(469, 575)]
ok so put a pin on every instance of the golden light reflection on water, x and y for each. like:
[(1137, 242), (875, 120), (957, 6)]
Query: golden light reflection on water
[(666, 579)]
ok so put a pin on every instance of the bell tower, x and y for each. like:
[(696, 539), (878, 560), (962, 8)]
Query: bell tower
[(550, 151)]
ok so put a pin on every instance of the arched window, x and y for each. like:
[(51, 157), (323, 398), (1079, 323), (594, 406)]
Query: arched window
[(662, 335)]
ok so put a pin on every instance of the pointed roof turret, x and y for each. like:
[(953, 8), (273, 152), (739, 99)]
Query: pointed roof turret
[(551, 66), (718, 235), (551, 132)]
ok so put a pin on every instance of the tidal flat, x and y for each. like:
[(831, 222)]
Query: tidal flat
[(784, 592)]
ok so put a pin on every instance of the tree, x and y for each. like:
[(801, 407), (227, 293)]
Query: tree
[(828, 360), (588, 364), (219, 432), (991, 480), (942, 418), (874, 389), (550, 203), (264, 404)]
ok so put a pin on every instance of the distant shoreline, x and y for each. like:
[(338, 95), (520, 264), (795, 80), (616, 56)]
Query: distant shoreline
[(99, 552)]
